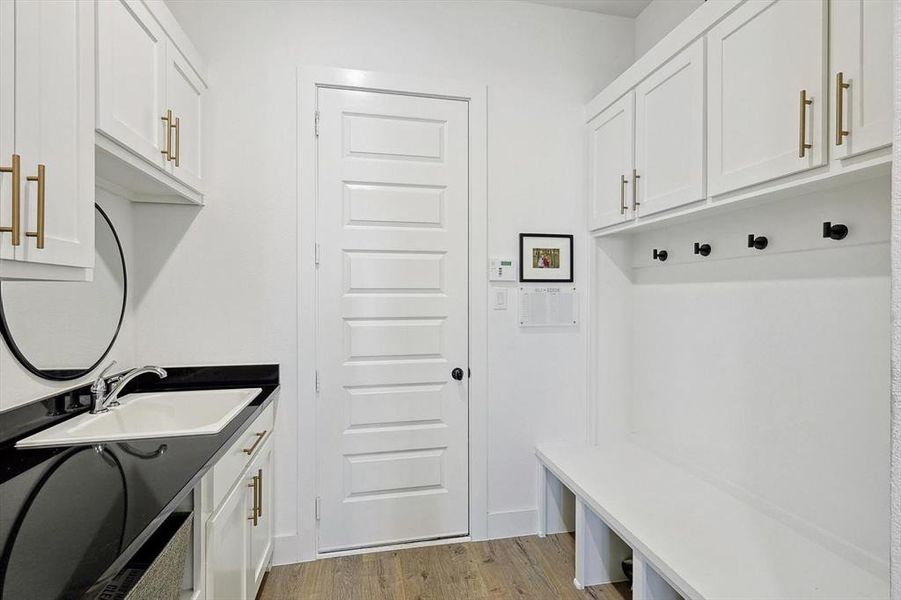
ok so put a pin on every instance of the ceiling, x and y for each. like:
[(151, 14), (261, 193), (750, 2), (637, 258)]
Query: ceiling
[(619, 8)]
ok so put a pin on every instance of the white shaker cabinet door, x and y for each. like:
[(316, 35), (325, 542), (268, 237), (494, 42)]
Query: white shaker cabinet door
[(767, 98), (861, 75), (260, 532), (610, 156), (669, 134), (226, 548), (131, 78), (54, 131), (7, 123), (184, 91)]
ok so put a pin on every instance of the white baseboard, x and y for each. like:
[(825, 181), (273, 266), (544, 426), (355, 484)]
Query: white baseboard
[(512, 523), (285, 550), (515, 523)]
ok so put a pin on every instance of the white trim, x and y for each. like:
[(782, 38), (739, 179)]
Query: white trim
[(309, 78), (512, 523)]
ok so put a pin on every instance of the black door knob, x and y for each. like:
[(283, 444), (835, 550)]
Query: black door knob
[(457, 374)]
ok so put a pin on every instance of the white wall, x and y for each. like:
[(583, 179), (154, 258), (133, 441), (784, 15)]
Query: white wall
[(18, 385), (219, 284), (658, 19), (768, 373)]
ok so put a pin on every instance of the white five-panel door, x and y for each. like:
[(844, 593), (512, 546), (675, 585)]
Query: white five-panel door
[(392, 228)]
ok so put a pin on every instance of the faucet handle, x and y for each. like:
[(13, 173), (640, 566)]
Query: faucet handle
[(107, 369), (99, 385)]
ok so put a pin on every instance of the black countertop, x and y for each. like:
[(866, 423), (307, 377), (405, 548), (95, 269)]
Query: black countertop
[(72, 516)]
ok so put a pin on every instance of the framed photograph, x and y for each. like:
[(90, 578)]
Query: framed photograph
[(545, 257)]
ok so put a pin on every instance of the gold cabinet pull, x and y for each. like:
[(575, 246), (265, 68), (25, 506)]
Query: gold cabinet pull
[(15, 228), (635, 202), (260, 492), (840, 87), (622, 194), (168, 121), (254, 516), (39, 234), (177, 138), (803, 146), (260, 436)]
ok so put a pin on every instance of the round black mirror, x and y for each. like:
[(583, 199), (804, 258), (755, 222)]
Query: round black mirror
[(63, 330)]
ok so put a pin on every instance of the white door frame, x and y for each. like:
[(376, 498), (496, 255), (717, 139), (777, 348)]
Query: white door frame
[(309, 79)]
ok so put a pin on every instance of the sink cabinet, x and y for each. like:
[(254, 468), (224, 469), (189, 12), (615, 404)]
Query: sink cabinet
[(236, 523)]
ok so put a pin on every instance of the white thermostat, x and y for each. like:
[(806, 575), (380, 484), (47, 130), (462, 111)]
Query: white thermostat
[(502, 269)]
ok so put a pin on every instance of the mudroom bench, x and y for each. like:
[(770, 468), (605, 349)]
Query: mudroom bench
[(687, 537)]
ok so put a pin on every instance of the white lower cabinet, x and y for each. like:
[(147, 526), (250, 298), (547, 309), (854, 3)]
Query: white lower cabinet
[(260, 531), (226, 555), (237, 526)]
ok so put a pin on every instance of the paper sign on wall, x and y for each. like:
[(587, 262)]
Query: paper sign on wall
[(548, 306)]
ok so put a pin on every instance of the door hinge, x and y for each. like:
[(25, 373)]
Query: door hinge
[(318, 507), (317, 123), (317, 381), (317, 255)]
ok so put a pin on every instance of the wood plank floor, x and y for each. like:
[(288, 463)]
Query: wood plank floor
[(529, 568)]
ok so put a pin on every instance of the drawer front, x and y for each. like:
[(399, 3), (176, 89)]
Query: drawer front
[(233, 463)]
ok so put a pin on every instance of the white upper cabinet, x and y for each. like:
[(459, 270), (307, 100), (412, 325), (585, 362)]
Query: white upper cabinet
[(610, 158), (669, 134), (149, 103), (766, 100), (184, 91), (861, 75), (131, 78), (745, 98), (7, 126), (47, 139)]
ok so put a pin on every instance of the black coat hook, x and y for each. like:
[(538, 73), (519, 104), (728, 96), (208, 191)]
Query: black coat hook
[(702, 249), (836, 232), (660, 255), (760, 242)]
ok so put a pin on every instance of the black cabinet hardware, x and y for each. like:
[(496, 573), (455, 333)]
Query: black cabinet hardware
[(660, 255), (457, 374), (760, 242), (702, 249), (836, 232)]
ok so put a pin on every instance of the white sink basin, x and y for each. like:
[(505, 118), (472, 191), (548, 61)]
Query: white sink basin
[(151, 415)]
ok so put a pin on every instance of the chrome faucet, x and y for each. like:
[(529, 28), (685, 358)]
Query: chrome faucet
[(101, 400)]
